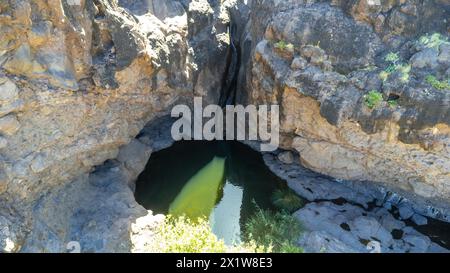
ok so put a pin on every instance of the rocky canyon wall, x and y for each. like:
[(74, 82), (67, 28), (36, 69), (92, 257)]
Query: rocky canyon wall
[(80, 79), (325, 61)]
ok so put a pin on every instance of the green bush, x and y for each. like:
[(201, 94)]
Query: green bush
[(373, 99), (286, 200), (435, 83), (392, 58), (274, 231), (384, 75), (392, 103), (394, 66), (181, 234), (283, 45), (288, 247), (404, 70), (434, 40)]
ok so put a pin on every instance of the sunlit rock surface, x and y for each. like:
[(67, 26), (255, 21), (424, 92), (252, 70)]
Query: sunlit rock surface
[(335, 54), (78, 81)]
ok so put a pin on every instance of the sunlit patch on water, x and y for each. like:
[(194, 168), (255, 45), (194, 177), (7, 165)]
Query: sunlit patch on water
[(201, 193)]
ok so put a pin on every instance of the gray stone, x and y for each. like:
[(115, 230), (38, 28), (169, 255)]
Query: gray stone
[(3, 181), (39, 163), (370, 229), (444, 54), (426, 58), (419, 219), (388, 221), (8, 91), (8, 236), (286, 157), (134, 156), (418, 244), (133, 60), (298, 63), (405, 211), (319, 242), (3, 142)]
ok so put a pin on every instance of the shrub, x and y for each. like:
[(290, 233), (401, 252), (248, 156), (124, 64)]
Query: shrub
[(404, 70), (392, 103), (437, 84), (181, 234), (373, 99), (390, 68), (384, 75), (274, 231), (392, 57), (394, 66), (288, 247), (286, 200), (433, 41), (282, 45)]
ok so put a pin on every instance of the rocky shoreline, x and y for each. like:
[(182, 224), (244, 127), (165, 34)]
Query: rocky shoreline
[(343, 219)]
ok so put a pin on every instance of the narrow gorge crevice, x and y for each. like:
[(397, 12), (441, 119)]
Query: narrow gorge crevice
[(230, 84)]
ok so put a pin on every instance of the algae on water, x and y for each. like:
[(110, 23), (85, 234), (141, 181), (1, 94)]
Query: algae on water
[(199, 196)]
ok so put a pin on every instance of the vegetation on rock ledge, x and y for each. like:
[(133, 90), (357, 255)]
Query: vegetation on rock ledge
[(265, 231), (373, 99), (286, 200), (437, 84), (274, 231), (283, 45)]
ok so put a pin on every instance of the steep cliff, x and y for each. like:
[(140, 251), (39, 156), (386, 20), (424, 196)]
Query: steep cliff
[(78, 80), (363, 89)]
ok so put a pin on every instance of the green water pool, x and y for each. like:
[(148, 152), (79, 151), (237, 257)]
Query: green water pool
[(219, 180)]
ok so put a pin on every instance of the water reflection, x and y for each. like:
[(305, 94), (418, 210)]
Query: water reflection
[(217, 179)]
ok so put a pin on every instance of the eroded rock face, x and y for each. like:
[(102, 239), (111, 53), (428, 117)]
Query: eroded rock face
[(348, 228), (341, 53), (78, 81)]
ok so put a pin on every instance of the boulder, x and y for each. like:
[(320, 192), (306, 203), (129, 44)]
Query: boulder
[(286, 157)]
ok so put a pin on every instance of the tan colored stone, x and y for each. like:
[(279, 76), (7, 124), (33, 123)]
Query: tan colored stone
[(9, 125)]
